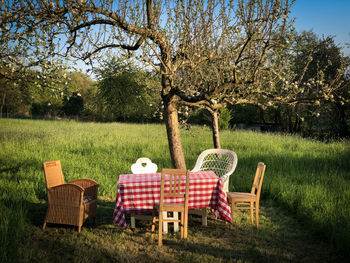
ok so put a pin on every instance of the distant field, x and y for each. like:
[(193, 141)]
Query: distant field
[(309, 178)]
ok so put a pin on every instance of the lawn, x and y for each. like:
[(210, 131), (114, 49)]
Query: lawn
[(305, 212)]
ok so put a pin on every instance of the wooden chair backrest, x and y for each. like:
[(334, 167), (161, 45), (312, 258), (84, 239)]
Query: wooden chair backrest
[(258, 179), (174, 189), (53, 173)]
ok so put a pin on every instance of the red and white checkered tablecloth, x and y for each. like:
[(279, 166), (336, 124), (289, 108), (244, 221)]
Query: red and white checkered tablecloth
[(139, 192)]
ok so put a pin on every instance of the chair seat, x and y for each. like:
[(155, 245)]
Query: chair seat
[(237, 196), (171, 207)]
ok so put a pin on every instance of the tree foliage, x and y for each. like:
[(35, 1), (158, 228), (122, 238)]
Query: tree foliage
[(24, 56), (179, 39), (73, 105), (309, 91), (129, 93), (316, 85)]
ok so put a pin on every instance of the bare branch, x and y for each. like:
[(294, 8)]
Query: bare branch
[(126, 47)]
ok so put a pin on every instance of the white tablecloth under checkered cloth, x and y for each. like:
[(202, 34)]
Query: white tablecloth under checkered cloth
[(139, 192)]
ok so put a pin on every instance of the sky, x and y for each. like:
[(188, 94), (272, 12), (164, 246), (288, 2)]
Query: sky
[(325, 18)]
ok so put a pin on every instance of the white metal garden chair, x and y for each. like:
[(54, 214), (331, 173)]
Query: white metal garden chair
[(223, 163), (144, 165)]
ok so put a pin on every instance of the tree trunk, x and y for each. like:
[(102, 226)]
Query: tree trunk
[(2, 104), (215, 129), (173, 132)]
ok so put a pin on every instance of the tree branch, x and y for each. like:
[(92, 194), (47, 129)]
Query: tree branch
[(127, 47), (150, 14)]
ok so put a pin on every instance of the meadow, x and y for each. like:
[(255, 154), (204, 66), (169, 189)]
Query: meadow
[(305, 214)]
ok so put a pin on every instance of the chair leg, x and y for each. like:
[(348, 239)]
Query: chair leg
[(176, 224), (133, 224), (45, 221), (185, 225), (257, 214), (79, 229), (182, 225), (204, 217), (251, 212), (165, 224), (232, 209), (153, 227), (160, 231)]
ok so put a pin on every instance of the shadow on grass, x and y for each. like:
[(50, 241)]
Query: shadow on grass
[(105, 242), (249, 253), (36, 212), (277, 240)]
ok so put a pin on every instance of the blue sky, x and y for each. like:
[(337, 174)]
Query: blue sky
[(324, 17)]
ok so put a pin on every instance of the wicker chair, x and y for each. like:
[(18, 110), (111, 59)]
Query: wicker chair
[(250, 200), (68, 203), (223, 163), (172, 190)]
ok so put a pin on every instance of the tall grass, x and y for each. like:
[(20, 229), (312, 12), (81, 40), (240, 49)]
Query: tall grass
[(308, 177)]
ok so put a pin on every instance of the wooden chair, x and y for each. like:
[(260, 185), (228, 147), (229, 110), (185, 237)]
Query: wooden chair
[(249, 200), (172, 189), (68, 203), (223, 163)]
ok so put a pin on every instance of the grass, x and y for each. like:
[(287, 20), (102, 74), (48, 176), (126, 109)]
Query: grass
[(305, 203)]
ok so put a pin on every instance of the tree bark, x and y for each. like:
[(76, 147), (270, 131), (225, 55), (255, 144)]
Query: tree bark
[(215, 129), (173, 132), (170, 108)]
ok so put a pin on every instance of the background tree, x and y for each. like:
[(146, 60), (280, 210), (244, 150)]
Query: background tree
[(30, 93), (310, 81), (327, 68), (79, 95), (129, 93), (14, 97), (24, 65), (73, 105), (302, 76)]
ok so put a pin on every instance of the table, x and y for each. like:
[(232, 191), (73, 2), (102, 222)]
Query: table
[(139, 192)]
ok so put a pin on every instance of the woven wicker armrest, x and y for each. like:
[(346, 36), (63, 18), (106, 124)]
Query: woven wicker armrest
[(66, 194), (90, 186)]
